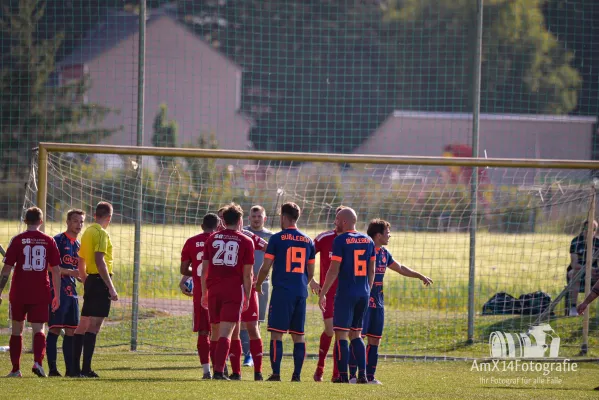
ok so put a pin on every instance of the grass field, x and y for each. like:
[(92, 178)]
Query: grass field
[(419, 321), (138, 376)]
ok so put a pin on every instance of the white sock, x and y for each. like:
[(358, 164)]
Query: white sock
[(206, 368)]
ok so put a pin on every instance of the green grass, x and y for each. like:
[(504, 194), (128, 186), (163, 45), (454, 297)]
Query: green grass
[(419, 321), (135, 376)]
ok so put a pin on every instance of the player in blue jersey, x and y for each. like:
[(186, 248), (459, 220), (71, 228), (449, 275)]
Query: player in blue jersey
[(352, 264), (374, 319), (67, 315), (291, 254)]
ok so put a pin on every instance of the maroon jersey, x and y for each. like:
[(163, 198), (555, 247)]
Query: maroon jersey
[(324, 245), (30, 253), (193, 251), (227, 252)]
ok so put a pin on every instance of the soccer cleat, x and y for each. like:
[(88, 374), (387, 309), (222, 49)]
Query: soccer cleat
[(15, 374), (258, 376), (353, 380), (207, 375), (375, 381), (318, 375), (38, 370), (235, 377), (54, 374), (226, 371), (219, 376), (89, 374), (339, 380), (295, 378), (274, 378), (248, 361), (361, 380)]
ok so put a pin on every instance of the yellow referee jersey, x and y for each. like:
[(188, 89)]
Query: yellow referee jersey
[(95, 240)]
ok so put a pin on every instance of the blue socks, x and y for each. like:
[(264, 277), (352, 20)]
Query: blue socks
[(343, 359), (359, 352), (276, 355), (299, 354), (51, 350), (372, 360)]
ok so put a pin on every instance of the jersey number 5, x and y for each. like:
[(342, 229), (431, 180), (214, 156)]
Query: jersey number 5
[(35, 258), (296, 255), (226, 253), (359, 265)]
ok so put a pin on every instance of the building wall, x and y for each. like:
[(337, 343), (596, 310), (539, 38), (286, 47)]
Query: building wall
[(200, 86)]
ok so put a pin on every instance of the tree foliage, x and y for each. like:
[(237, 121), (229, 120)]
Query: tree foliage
[(31, 109), (165, 134)]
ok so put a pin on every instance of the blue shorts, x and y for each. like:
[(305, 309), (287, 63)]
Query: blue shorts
[(374, 322), (286, 313), (67, 315), (349, 313)]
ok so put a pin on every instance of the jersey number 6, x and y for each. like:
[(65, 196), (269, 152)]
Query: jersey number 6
[(359, 265)]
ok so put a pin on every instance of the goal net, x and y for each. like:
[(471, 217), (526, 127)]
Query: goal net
[(526, 221)]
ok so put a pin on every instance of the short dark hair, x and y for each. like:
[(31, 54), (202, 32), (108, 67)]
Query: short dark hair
[(291, 210), (103, 209), (232, 214), (222, 209), (258, 208), (377, 226), (75, 211), (210, 221), (33, 216)]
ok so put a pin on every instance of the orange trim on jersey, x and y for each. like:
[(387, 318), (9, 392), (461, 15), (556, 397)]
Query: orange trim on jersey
[(352, 231), (296, 333), (275, 330), (62, 326), (377, 249), (372, 258), (336, 258), (373, 336), (269, 256), (336, 328), (312, 261), (291, 227), (356, 329), (378, 283), (72, 239)]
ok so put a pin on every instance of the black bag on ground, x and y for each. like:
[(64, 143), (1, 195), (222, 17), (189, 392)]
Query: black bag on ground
[(502, 303), (534, 303)]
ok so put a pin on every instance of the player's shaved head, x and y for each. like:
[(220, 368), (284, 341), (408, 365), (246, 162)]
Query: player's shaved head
[(346, 220)]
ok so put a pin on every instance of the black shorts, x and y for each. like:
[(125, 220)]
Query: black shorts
[(96, 298)]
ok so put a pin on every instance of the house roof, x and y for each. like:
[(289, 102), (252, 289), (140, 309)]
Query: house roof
[(117, 26)]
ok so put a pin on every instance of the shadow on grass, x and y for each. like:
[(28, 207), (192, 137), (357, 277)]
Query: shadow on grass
[(162, 368)]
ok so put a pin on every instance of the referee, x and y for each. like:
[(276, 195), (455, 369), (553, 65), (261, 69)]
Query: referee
[(95, 269)]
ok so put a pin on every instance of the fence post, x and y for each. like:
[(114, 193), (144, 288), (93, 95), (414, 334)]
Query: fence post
[(584, 348), (139, 190)]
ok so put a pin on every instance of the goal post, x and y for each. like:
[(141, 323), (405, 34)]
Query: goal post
[(532, 209)]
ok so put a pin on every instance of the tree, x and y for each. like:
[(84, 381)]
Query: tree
[(165, 134), (33, 110), (524, 67), (202, 171)]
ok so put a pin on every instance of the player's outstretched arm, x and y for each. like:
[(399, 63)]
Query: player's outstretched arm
[(56, 284), (69, 272), (589, 299), (263, 273), (4, 275), (410, 273)]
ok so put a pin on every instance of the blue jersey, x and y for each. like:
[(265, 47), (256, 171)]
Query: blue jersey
[(383, 260), (68, 248), (291, 251), (354, 250)]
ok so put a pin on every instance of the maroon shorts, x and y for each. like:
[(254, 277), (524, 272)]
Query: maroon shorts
[(251, 314), (36, 313), (330, 304), (201, 319), (225, 305)]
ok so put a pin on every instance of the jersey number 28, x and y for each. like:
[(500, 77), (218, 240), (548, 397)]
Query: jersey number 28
[(226, 253)]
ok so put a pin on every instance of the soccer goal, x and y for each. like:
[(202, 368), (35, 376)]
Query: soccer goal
[(498, 259)]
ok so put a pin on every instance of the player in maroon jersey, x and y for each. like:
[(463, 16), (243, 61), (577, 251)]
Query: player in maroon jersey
[(227, 264), (324, 246), (191, 266), (31, 253), (249, 317)]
